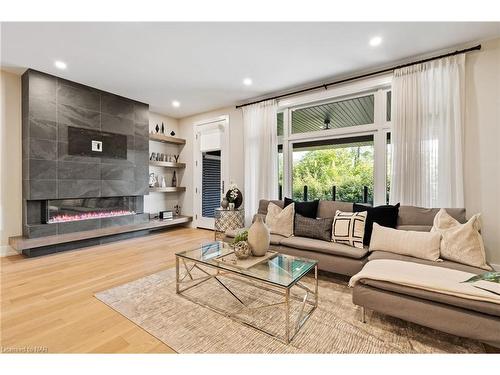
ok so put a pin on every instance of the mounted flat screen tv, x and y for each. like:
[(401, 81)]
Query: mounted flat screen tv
[(85, 142)]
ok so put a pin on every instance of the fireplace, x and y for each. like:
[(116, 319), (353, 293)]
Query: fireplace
[(67, 210)]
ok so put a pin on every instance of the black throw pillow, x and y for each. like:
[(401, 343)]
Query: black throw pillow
[(320, 229), (307, 209), (387, 216)]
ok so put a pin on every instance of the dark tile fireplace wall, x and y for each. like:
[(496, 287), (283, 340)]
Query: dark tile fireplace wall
[(51, 104)]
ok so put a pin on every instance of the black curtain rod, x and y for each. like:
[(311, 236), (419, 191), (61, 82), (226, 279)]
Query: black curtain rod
[(325, 85)]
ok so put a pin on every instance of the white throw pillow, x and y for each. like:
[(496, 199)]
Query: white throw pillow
[(461, 243), (424, 245), (280, 220), (348, 228)]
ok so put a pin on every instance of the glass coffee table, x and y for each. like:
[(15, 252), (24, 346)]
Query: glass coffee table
[(282, 276)]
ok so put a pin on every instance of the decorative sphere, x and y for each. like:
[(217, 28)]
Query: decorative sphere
[(242, 250)]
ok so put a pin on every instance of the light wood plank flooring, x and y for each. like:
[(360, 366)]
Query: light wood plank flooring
[(49, 301)]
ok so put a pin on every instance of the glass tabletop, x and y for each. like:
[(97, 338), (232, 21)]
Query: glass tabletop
[(283, 270)]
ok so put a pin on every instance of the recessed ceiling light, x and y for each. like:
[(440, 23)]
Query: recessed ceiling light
[(247, 81), (176, 104), (375, 41), (60, 64)]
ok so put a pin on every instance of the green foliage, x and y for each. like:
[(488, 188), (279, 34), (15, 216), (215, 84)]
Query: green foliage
[(348, 168), (494, 277), (241, 236)]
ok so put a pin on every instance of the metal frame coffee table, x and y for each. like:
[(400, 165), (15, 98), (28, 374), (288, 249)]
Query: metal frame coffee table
[(278, 275)]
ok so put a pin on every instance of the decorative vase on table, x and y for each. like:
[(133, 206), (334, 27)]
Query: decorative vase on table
[(231, 206), (224, 203), (259, 237)]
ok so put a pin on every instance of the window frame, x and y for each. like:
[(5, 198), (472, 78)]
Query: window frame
[(377, 86)]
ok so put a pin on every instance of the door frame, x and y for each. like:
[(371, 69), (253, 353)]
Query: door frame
[(222, 120)]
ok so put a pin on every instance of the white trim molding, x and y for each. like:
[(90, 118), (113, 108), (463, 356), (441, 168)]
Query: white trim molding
[(6, 251)]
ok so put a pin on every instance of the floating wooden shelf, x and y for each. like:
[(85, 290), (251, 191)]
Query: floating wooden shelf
[(166, 139), (167, 164), (167, 189), (21, 243)]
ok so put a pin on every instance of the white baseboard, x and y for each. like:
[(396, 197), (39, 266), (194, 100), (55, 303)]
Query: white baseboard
[(6, 250)]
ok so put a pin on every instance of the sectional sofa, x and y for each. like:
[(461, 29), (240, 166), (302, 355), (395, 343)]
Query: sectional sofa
[(462, 317)]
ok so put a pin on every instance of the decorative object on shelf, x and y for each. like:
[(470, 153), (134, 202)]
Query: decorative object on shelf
[(176, 157), (259, 237), (157, 128), (227, 220), (162, 128), (174, 180), (242, 250), (166, 215), (172, 133), (163, 182), (177, 209), (152, 180), (234, 195), (224, 203), (153, 156)]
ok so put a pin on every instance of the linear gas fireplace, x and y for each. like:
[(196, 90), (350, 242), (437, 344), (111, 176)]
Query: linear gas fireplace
[(60, 216), (67, 210)]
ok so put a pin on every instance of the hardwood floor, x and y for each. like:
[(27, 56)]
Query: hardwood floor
[(48, 302)]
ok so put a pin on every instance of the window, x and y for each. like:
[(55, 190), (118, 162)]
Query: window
[(279, 120), (388, 106), (335, 115), (340, 169), (388, 163), (280, 171)]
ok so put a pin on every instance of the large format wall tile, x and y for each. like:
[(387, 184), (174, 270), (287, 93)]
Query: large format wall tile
[(84, 97), (78, 117), (117, 106), (117, 172), (51, 104), (69, 170), (42, 149), (78, 189), (43, 169)]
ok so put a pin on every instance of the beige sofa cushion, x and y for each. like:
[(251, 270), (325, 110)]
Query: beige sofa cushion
[(280, 220), (444, 263), (328, 209), (423, 245), (461, 242), (411, 215), (264, 203), (325, 247)]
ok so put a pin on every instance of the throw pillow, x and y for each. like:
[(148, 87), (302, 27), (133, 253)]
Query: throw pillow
[(307, 209), (423, 245), (386, 216), (320, 229), (349, 228), (461, 243), (280, 220)]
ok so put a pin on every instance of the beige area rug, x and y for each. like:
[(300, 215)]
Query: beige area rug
[(334, 327)]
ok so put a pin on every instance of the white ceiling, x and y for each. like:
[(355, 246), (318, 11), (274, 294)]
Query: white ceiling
[(203, 64)]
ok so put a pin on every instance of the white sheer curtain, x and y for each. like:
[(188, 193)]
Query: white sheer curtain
[(427, 134), (261, 155)]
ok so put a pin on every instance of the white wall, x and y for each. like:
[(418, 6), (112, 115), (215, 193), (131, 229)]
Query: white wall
[(10, 160), (236, 153), (482, 142), (155, 202)]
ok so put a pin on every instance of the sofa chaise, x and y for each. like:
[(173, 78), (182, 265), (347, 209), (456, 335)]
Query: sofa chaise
[(459, 316)]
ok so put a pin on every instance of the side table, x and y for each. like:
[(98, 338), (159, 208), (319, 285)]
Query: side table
[(228, 219)]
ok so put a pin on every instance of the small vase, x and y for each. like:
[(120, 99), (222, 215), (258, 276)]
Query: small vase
[(224, 203), (259, 237), (231, 206)]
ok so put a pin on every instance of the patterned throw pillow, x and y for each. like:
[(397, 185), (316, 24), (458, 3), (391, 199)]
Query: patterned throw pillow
[(320, 229), (349, 228)]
